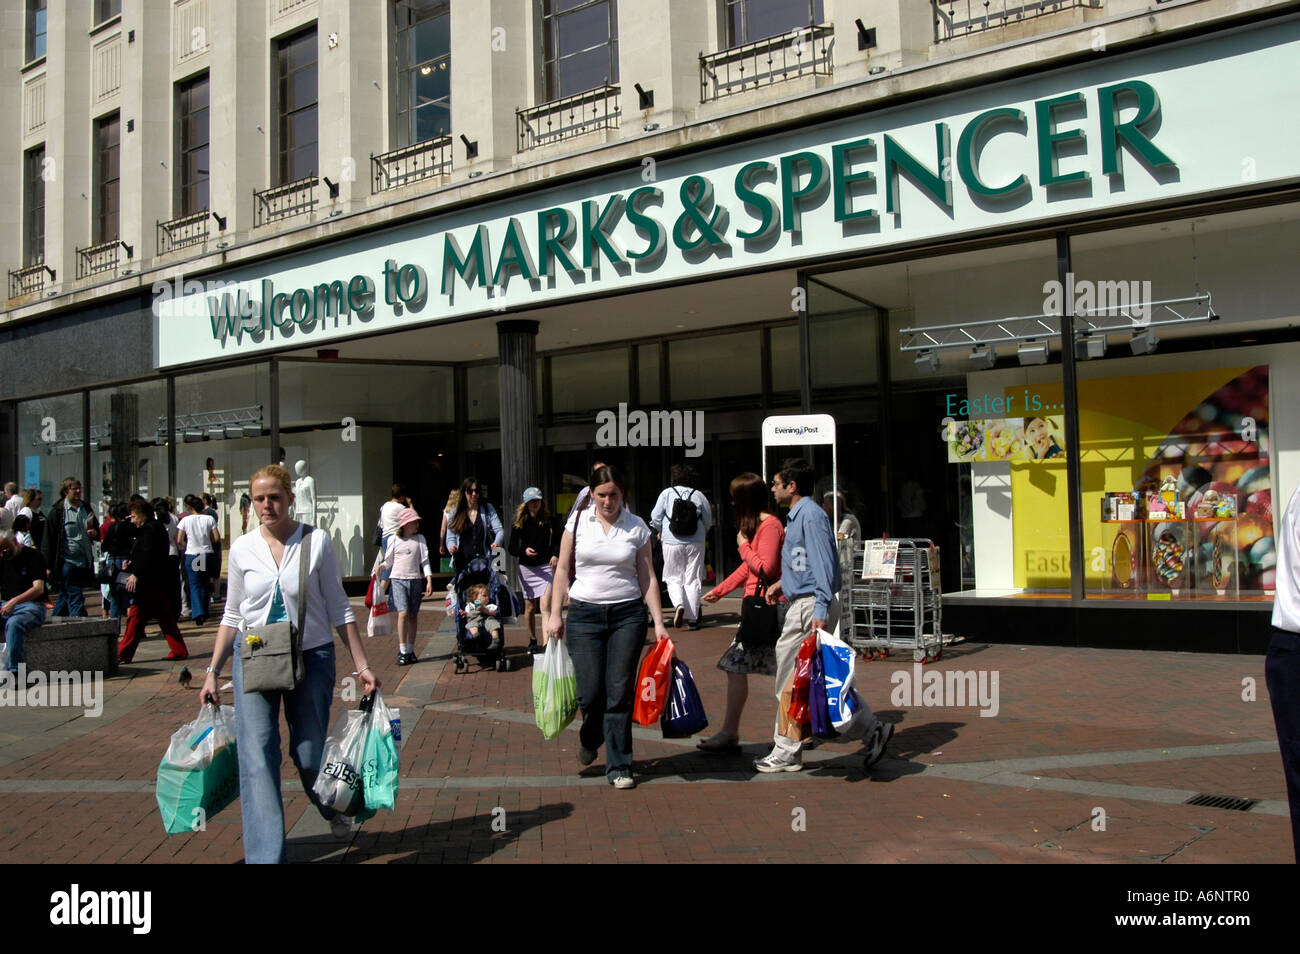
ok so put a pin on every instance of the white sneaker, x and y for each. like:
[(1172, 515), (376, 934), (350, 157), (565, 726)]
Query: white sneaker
[(678, 615), (778, 762)]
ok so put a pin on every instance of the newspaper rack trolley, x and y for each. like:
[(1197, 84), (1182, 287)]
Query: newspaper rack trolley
[(900, 613)]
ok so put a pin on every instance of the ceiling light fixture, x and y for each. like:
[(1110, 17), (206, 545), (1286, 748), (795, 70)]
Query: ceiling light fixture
[(1033, 352)]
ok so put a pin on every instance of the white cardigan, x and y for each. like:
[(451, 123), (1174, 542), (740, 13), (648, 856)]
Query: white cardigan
[(253, 574)]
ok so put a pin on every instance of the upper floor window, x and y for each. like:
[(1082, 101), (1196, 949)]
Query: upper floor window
[(748, 21), (579, 45), (107, 9), (107, 174), (34, 206), (192, 141), (423, 70), (35, 29), (296, 127)]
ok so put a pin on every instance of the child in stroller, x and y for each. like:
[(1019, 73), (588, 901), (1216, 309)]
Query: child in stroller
[(478, 631), (480, 615)]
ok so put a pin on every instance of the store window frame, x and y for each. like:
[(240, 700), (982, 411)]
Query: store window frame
[(738, 27), (107, 222), (106, 10), (552, 24), (405, 109), (36, 32), (193, 139), (34, 206), (290, 166)]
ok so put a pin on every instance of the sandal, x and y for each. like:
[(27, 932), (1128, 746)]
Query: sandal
[(719, 745)]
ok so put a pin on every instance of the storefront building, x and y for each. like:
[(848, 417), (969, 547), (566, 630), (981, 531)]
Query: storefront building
[(1028, 299)]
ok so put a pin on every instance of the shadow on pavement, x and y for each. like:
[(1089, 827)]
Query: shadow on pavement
[(467, 839)]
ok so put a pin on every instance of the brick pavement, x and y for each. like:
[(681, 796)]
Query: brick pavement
[(1128, 732)]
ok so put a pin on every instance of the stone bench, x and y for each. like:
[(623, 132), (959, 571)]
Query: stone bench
[(73, 644)]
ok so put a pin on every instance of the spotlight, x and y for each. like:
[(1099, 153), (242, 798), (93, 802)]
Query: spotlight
[(927, 362), (252, 430), (1033, 352), (984, 357), (1090, 346), (192, 434), (216, 432), (1144, 342), (232, 431)]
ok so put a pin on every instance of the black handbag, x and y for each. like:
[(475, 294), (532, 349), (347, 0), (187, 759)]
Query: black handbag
[(758, 619)]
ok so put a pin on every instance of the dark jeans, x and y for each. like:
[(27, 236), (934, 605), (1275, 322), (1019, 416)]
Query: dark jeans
[(200, 583), (70, 602), (605, 641), (1282, 675)]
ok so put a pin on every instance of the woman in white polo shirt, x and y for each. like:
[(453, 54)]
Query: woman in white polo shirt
[(615, 581)]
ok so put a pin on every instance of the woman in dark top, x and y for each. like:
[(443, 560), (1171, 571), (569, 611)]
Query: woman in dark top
[(151, 576), (474, 530), (535, 543), (118, 539)]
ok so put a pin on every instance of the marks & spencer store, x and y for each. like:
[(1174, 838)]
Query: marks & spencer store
[(1053, 316)]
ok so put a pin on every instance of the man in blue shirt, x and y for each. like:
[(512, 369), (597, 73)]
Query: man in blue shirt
[(810, 581), (69, 548)]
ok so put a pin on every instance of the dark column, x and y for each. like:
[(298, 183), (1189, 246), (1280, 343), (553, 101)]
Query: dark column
[(123, 434), (805, 349), (517, 384), (275, 411), (171, 442)]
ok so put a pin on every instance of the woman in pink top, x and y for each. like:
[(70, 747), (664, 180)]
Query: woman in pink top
[(759, 541)]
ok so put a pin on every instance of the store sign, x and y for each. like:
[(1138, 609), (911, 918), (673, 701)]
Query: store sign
[(1125, 130)]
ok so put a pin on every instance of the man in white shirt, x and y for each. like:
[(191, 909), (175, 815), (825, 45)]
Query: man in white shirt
[(1282, 664), (682, 518), (13, 502)]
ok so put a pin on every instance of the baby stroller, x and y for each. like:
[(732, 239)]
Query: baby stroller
[(480, 570)]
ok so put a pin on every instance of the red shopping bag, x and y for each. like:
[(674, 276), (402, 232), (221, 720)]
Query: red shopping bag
[(652, 683), (799, 711), (370, 593)]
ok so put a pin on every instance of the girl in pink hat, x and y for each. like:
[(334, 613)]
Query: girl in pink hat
[(407, 557)]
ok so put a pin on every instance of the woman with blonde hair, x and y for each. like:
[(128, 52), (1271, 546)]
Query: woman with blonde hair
[(263, 569), (535, 543), (453, 501)]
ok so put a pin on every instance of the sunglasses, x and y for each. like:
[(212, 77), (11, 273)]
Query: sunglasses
[(472, 490)]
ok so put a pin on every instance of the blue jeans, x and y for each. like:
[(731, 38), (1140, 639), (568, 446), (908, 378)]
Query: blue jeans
[(605, 641), (70, 601), (198, 571), (24, 618), (257, 727)]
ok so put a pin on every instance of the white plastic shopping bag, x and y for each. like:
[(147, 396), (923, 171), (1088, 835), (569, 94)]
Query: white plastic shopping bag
[(555, 689), (339, 784)]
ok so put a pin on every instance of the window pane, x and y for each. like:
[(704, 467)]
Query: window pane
[(584, 71), (434, 85), (647, 361), (302, 91), (785, 359), (432, 39), (583, 28), (481, 393), (843, 340), (765, 18), (302, 129), (593, 380), (431, 122), (44, 463), (714, 367)]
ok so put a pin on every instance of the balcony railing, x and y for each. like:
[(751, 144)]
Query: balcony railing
[(104, 257), (185, 232), (565, 118), (802, 52), (29, 280), (423, 160), (955, 18), (284, 202)]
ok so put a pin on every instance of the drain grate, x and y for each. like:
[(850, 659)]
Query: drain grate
[(1229, 802)]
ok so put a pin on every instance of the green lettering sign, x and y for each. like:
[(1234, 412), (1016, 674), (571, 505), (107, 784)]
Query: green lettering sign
[(1014, 120), (937, 184), (1112, 130), (842, 179), (1049, 138)]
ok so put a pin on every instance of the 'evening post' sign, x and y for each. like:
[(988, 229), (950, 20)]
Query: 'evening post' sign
[(1037, 148)]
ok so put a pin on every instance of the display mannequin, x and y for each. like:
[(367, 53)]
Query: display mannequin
[(304, 491)]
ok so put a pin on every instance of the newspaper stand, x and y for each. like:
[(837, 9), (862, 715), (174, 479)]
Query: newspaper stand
[(899, 613)]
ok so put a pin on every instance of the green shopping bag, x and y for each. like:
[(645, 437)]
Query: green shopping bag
[(380, 760), (555, 690), (199, 774)]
